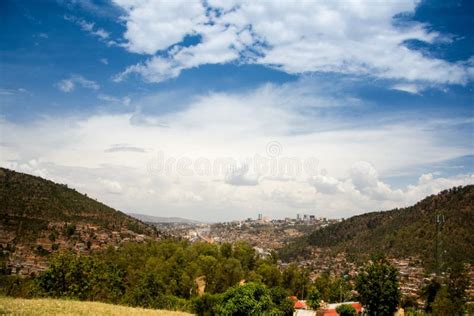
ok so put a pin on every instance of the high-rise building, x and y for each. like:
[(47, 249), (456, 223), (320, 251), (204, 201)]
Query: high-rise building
[(260, 217)]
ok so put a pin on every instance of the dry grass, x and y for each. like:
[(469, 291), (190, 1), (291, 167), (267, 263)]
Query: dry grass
[(16, 306)]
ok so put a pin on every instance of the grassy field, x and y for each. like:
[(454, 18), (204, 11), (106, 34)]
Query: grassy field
[(16, 306)]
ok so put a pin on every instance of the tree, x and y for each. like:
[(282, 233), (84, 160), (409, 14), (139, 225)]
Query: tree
[(70, 230), (207, 305), (226, 250), (69, 276), (248, 299), (442, 304), (408, 302), (429, 292), (245, 253), (346, 310), (148, 292), (283, 303), (314, 298), (271, 275), (295, 280), (457, 283), (451, 296), (323, 284), (229, 273), (339, 290), (377, 285)]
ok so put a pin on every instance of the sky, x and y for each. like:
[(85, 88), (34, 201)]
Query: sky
[(220, 110)]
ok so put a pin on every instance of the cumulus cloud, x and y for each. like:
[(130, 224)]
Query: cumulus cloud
[(68, 85), (166, 21), (111, 186), (366, 180), (325, 184), (241, 176), (347, 37)]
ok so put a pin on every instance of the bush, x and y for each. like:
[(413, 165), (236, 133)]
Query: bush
[(207, 304), (12, 285), (248, 299), (314, 298), (346, 310), (148, 292)]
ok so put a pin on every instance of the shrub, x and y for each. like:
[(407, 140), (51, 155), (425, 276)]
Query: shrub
[(346, 310)]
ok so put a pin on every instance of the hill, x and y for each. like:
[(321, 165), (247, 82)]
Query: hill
[(405, 232), (163, 220), (27, 307), (39, 216)]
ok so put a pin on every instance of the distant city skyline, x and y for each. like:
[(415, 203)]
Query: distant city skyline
[(220, 111)]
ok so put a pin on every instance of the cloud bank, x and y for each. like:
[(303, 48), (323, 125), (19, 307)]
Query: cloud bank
[(162, 164)]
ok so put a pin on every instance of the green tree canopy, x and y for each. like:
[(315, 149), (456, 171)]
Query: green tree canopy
[(378, 289), (247, 299), (314, 298)]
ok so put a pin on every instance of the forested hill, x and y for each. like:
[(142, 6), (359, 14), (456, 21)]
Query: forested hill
[(403, 232), (28, 204)]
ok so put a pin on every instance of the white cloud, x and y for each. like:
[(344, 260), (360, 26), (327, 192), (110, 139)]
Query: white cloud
[(325, 184), (122, 150), (349, 37), (241, 176), (156, 25), (89, 27), (68, 85), (4, 91), (366, 180), (408, 87), (105, 61), (111, 186), (109, 98)]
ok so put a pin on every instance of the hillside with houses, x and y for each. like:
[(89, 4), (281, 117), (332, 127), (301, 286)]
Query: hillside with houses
[(40, 217)]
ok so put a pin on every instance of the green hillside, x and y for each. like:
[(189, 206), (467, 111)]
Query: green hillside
[(39, 217), (29, 203), (402, 232)]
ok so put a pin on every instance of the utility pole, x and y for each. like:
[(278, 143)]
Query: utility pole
[(439, 244)]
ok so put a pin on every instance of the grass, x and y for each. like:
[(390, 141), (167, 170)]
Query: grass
[(17, 306)]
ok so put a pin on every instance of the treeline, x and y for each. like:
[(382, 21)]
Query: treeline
[(168, 274), (225, 279)]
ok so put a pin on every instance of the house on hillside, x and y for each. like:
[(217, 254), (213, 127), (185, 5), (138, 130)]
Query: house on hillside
[(330, 309), (301, 308)]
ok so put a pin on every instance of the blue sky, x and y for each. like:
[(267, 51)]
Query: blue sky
[(390, 83)]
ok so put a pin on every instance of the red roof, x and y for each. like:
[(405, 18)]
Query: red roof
[(301, 305)]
